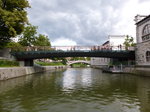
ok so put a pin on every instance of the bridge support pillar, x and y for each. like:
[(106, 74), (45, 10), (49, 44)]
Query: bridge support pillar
[(26, 62)]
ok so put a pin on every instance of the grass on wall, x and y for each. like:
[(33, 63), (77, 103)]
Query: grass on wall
[(49, 63), (6, 63), (79, 65)]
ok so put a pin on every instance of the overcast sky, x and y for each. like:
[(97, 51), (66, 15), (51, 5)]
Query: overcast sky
[(85, 22)]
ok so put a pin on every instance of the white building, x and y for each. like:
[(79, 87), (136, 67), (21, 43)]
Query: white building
[(116, 43), (143, 40)]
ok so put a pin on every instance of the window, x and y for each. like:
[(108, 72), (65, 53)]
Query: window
[(146, 32), (148, 56)]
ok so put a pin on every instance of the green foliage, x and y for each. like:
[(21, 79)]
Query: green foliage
[(6, 63), (129, 42), (13, 17), (88, 58), (42, 40), (28, 36), (79, 58), (49, 63), (64, 61), (79, 65), (13, 45)]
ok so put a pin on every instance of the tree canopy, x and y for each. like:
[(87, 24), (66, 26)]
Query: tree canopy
[(129, 41), (42, 40), (13, 18), (30, 37)]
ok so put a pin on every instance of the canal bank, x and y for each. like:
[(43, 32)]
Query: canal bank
[(75, 90), (12, 72), (135, 70), (138, 70)]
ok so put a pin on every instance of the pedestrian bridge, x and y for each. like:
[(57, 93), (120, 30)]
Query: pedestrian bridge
[(78, 61), (30, 53)]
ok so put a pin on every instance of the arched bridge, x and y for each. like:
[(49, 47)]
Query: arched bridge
[(78, 61), (31, 53)]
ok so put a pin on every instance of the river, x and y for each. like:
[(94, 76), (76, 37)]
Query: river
[(76, 90)]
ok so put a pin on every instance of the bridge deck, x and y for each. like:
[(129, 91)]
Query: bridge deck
[(120, 54)]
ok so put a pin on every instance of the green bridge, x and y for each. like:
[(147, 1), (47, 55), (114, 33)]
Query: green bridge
[(29, 56)]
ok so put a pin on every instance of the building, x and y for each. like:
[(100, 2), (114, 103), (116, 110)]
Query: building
[(143, 40), (101, 62), (115, 42)]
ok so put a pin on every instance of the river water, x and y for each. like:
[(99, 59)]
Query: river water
[(76, 90)]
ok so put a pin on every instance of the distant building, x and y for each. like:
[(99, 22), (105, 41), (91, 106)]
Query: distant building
[(101, 61), (115, 42), (143, 41)]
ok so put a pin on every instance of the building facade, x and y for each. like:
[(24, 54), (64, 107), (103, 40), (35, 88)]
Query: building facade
[(115, 42), (143, 41), (95, 61)]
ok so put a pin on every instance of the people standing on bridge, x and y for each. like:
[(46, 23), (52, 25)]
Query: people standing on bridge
[(98, 47), (120, 47), (74, 48), (110, 48)]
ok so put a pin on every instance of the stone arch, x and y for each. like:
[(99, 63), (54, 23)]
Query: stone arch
[(146, 32), (148, 56), (86, 62)]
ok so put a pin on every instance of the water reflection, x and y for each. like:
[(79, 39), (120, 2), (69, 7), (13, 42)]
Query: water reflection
[(86, 78), (75, 90), (73, 79), (68, 80), (143, 91)]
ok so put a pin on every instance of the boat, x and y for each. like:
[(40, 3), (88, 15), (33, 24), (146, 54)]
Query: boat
[(112, 69)]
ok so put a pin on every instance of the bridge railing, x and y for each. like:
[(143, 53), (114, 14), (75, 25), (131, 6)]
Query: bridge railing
[(72, 48), (91, 48), (33, 48)]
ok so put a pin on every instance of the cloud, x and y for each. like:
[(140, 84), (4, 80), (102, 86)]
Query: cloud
[(85, 22), (63, 42)]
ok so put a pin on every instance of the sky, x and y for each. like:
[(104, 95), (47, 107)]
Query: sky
[(85, 22)]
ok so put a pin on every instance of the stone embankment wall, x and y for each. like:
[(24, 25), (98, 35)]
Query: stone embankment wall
[(98, 66), (136, 70), (141, 50), (139, 70), (12, 72), (5, 54)]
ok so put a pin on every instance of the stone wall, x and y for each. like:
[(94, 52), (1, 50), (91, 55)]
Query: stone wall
[(12, 72), (142, 46), (99, 61), (138, 70), (139, 30), (5, 53), (141, 53)]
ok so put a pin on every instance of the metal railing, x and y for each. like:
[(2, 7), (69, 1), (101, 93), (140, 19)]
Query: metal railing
[(73, 48)]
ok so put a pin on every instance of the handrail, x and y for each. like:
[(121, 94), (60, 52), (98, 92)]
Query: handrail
[(73, 48)]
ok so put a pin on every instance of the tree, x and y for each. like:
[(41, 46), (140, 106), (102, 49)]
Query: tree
[(129, 42), (42, 40), (14, 46), (13, 17), (28, 36)]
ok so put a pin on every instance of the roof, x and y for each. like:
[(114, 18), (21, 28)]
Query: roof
[(143, 20), (107, 42), (116, 36)]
